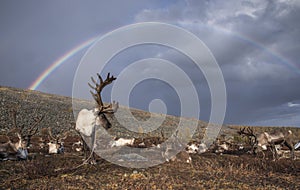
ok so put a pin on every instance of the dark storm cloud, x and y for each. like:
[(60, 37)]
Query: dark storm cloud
[(245, 37), (256, 44), (35, 33)]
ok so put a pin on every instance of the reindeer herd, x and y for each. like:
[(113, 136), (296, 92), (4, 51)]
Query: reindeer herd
[(273, 141), (20, 140)]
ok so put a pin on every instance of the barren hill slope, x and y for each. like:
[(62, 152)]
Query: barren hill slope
[(58, 113), (28, 103)]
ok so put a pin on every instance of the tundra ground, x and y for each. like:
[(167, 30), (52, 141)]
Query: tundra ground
[(207, 171)]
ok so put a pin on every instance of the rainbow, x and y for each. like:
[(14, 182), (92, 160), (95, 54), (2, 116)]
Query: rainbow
[(272, 52), (35, 84), (88, 43)]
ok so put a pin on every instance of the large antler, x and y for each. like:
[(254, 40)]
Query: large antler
[(25, 133), (51, 135), (13, 114), (111, 108), (30, 130), (59, 136), (33, 129)]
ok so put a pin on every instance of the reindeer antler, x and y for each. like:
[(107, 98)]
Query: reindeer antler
[(33, 129), (59, 136), (13, 114), (51, 135), (111, 108), (29, 130), (249, 133)]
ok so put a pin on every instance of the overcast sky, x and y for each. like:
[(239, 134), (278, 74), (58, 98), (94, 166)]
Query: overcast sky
[(255, 43)]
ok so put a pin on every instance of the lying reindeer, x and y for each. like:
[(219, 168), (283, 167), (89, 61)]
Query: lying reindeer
[(175, 150), (77, 146), (14, 150), (27, 132), (56, 142), (265, 140), (11, 150), (276, 138)]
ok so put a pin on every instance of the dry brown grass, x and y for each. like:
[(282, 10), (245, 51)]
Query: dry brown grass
[(207, 171)]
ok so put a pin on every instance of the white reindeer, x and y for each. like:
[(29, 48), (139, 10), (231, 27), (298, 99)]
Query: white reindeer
[(87, 120), (122, 142), (196, 147)]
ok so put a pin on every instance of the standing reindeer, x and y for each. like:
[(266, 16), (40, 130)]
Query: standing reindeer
[(87, 120), (265, 140)]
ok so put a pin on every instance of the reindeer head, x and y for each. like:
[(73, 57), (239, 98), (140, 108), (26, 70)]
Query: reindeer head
[(56, 141), (103, 121), (16, 139), (57, 137)]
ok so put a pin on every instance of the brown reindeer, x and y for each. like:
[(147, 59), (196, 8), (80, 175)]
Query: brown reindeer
[(87, 120), (252, 139), (12, 149), (26, 132), (265, 140)]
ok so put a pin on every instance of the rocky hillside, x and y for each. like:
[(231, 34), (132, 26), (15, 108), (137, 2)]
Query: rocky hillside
[(58, 112), (29, 104)]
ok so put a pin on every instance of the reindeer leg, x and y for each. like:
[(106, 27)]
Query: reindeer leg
[(291, 149), (293, 154), (94, 158), (259, 150), (93, 161), (274, 152), (91, 157), (263, 154), (85, 148)]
